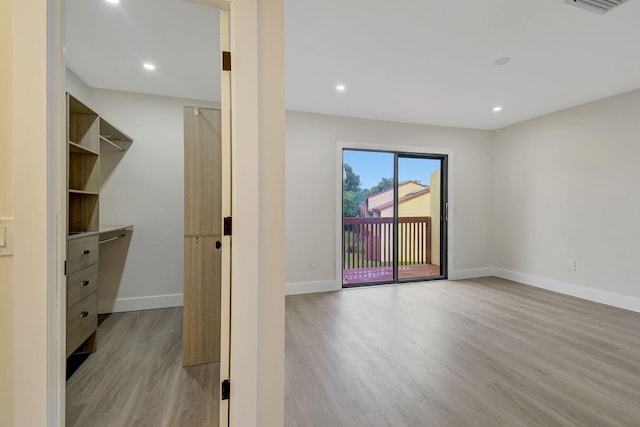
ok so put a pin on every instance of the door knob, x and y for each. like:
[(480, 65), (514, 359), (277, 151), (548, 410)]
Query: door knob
[(218, 244)]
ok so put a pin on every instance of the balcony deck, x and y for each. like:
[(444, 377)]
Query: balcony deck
[(353, 276)]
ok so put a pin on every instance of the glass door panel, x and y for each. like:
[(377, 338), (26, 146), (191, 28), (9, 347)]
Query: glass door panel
[(419, 212), (367, 217)]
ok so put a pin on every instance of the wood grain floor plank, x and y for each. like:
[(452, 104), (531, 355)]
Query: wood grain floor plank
[(480, 352), (136, 377)]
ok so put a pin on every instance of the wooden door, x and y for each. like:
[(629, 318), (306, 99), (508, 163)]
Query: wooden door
[(203, 236)]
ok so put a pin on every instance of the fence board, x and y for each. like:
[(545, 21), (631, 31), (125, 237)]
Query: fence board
[(368, 242)]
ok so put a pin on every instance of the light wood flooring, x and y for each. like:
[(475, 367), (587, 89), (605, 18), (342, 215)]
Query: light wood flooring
[(482, 352), (136, 377)]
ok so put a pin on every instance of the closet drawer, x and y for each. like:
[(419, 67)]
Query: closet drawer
[(81, 283), (83, 252), (82, 321)]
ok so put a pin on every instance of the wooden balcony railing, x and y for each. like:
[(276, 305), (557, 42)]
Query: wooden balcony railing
[(368, 242)]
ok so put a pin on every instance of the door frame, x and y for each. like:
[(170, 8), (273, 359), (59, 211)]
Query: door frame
[(257, 352), (227, 179), (57, 158), (400, 149)]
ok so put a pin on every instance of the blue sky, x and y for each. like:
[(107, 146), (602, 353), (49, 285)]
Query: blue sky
[(372, 166)]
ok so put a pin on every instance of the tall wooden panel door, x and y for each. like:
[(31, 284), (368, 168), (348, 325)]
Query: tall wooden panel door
[(202, 236)]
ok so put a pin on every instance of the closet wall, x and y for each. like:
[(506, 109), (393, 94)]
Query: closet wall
[(145, 188)]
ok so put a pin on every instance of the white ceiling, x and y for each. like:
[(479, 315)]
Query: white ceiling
[(106, 45), (418, 61)]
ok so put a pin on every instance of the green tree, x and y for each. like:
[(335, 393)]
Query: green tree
[(351, 203), (384, 184), (352, 194), (350, 181)]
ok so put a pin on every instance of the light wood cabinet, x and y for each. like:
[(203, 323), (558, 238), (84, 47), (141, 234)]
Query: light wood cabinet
[(82, 322), (87, 132), (203, 236), (82, 251), (81, 284)]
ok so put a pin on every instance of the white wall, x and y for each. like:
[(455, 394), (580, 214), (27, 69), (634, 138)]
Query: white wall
[(311, 190), (565, 187), (77, 87), (143, 187), (551, 181), (146, 189)]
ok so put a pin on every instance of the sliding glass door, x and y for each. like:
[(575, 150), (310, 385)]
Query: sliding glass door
[(393, 217), (419, 211)]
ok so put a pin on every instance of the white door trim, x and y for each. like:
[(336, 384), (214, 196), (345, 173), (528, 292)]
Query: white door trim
[(225, 282)]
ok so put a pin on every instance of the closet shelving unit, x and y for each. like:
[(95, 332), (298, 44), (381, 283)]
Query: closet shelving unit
[(87, 135), (83, 167), (113, 137)]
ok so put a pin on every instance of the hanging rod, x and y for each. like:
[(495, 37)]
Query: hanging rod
[(107, 140), (111, 239)]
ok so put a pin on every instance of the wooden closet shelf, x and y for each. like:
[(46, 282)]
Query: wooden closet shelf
[(118, 145), (86, 193), (104, 231), (77, 107), (114, 136), (79, 149)]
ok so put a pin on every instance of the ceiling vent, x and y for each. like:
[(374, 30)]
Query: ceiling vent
[(597, 6)]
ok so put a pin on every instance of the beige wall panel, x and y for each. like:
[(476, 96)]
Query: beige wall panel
[(6, 210)]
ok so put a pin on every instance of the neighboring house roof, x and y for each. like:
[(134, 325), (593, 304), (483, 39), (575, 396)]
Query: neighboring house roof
[(390, 189), (409, 196)]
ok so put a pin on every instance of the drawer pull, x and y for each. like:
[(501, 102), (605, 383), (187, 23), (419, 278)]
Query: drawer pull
[(85, 283), (85, 252), (84, 314)]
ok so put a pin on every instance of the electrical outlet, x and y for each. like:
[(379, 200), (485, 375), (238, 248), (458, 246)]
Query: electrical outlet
[(571, 265)]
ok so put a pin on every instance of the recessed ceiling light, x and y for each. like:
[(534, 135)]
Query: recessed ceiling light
[(497, 109), (502, 61), (149, 66), (341, 88), (113, 1)]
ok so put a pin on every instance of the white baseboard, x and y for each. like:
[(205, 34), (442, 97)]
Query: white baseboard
[(590, 294), (329, 286), (470, 273), (311, 287), (140, 303)]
